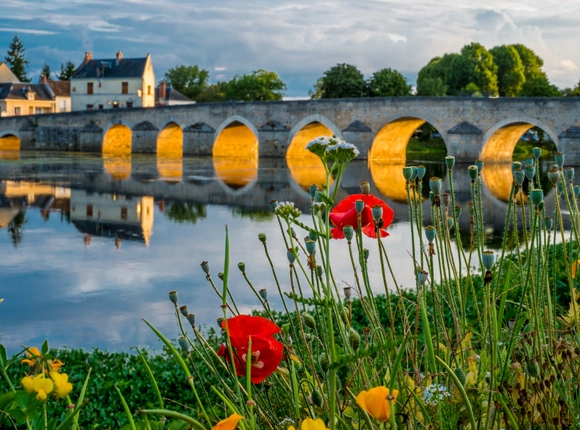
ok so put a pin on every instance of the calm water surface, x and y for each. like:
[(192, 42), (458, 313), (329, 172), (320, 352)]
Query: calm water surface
[(89, 246)]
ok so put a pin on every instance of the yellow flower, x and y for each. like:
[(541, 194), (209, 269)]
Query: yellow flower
[(375, 401), (56, 364), (33, 353), (310, 424), (471, 377), (43, 386), (28, 384), (230, 423), (61, 385)]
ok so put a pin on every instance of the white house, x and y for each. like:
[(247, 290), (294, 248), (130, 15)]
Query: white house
[(113, 83)]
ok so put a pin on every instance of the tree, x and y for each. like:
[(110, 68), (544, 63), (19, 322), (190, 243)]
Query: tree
[(261, 85), (539, 87), (341, 81), (474, 65), (15, 59), (181, 212), (431, 87), (188, 80), (532, 63), (45, 71), (213, 93), (388, 83), (66, 71), (510, 70), (433, 79)]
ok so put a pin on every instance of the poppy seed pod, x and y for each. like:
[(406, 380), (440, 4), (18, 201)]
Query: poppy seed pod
[(559, 159), (242, 266), (569, 173), (359, 205), (366, 253), (173, 297), (530, 171), (191, 319), (461, 376), (184, 311), (313, 189), (317, 198), (348, 232), (435, 185), (516, 165), (536, 196), (445, 199), (219, 322), (537, 153), (548, 223), (430, 232), (529, 160), (263, 294), (488, 258), (184, 344), (365, 188), (560, 188), (414, 174), (473, 171), (221, 275), (205, 267), (421, 277), (479, 164), (450, 162), (348, 293), (377, 212), (431, 197), (262, 237), (450, 223), (407, 173), (323, 361), (553, 176), (421, 170), (519, 176), (291, 256), (309, 320), (312, 235), (310, 246), (353, 338), (274, 204), (576, 190), (457, 211)]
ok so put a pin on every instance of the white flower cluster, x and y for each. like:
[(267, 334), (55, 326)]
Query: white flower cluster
[(321, 141), (434, 393), (287, 210), (341, 145)]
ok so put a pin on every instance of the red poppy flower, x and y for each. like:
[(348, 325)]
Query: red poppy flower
[(344, 214), (266, 357), (242, 327)]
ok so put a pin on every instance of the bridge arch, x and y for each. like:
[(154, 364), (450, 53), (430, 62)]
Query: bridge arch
[(500, 140), (391, 141), (170, 141), (117, 140), (9, 140), (236, 137)]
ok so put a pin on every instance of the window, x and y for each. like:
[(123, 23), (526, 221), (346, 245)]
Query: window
[(129, 104), (123, 213), (124, 87), (89, 107), (38, 111), (89, 211), (63, 105), (89, 88), (100, 107), (149, 90), (17, 110)]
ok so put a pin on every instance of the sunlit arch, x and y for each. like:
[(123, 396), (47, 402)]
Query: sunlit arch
[(236, 137), (170, 141), (117, 140), (500, 141), (9, 141)]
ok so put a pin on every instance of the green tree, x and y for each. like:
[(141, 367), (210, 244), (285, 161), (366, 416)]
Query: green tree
[(510, 70), (474, 65), (45, 71), (182, 212), (531, 61), (188, 80), (341, 81), (433, 79), (261, 85), (388, 83), (213, 93), (539, 87), (66, 71), (15, 59)]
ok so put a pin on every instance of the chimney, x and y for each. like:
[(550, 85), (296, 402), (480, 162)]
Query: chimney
[(162, 91), (44, 79), (119, 57), (88, 56)]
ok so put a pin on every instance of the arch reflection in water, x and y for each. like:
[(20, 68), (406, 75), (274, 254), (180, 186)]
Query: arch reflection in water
[(9, 143), (498, 179), (118, 167), (236, 173), (117, 140), (170, 169), (305, 167), (9, 155), (170, 141)]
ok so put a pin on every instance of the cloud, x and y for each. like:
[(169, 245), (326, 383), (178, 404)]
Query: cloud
[(26, 31)]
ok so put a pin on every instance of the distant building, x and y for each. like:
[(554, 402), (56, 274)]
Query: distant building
[(6, 75), (113, 83), (61, 93), (167, 96)]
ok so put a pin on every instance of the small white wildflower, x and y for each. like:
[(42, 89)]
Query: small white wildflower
[(342, 151), (287, 210), (434, 393)]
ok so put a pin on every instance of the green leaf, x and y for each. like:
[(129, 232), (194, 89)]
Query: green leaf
[(3, 357), (44, 348)]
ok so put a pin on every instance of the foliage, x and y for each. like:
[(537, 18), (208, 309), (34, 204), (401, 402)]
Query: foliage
[(341, 81), (539, 87), (261, 85), (388, 83), (45, 71), (182, 212), (16, 227), (434, 78), (474, 65), (66, 71), (213, 93), (510, 70), (190, 81), (15, 59), (531, 61)]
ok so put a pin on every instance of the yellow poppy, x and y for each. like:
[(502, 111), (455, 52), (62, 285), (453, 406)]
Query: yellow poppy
[(375, 401), (28, 384), (310, 424), (230, 423), (33, 353), (61, 385)]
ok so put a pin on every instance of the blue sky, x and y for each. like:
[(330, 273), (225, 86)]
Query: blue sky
[(297, 39)]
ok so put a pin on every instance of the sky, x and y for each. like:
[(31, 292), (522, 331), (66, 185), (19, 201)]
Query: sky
[(297, 39)]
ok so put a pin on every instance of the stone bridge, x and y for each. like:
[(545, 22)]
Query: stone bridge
[(472, 128)]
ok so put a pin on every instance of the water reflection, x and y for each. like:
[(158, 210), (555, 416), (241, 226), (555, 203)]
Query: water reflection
[(236, 172), (118, 167)]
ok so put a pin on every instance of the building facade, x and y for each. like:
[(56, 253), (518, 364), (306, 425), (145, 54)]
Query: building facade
[(113, 83)]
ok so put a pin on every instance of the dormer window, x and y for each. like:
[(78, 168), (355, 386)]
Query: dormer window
[(28, 93)]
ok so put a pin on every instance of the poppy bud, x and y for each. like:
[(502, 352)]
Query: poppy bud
[(184, 311), (473, 171), (430, 233), (292, 233), (313, 190), (553, 176), (191, 319), (348, 232), (242, 266), (407, 173), (413, 173), (344, 315), (359, 205), (205, 267), (479, 164), (291, 255), (435, 185), (450, 162), (431, 197), (310, 246), (312, 236), (319, 207), (366, 253), (548, 223), (221, 275), (184, 344), (529, 160), (173, 297), (519, 176), (537, 153), (569, 173), (576, 190), (309, 320), (319, 271), (377, 212), (323, 361), (262, 237), (274, 204), (263, 294), (530, 171), (316, 398), (488, 258), (348, 293), (365, 188), (559, 159), (460, 373), (421, 170), (450, 223), (457, 210), (317, 198), (285, 328), (516, 165), (353, 338)]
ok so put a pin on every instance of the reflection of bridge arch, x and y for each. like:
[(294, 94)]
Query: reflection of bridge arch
[(391, 141), (170, 141), (117, 140), (9, 141), (117, 166), (236, 137), (236, 175), (501, 139)]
